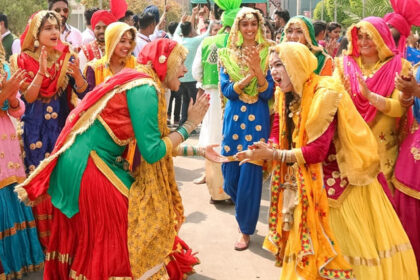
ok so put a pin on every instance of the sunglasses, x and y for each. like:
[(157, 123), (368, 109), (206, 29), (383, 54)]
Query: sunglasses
[(65, 10)]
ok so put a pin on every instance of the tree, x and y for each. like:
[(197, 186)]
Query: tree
[(351, 11), (19, 12), (137, 6)]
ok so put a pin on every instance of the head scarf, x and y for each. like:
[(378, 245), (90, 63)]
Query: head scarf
[(102, 15), (382, 81), (406, 14), (162, 55), (154, 11), (230, 57), (118, 9), (312, 44), (231, 9), (299, 62), (113, 34), (28, 59)]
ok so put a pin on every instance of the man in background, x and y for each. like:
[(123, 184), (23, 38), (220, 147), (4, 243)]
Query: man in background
[(69, 34), (11, 43), (88, 35)]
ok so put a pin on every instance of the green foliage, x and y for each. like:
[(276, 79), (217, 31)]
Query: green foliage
[(351, 11), (19, 12)]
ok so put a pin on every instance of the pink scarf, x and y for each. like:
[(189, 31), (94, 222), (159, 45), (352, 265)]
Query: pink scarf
[(406, 13), (382, 82)]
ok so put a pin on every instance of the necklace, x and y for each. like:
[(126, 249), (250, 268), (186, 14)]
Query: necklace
[(369, 71)]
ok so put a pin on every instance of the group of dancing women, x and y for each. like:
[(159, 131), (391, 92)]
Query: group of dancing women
[(339, 138)]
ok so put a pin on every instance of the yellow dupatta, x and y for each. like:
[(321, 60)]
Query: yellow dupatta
[(309, 249), (113, 34)]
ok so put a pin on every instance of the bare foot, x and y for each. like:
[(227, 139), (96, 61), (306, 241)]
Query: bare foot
[(200, 180), (243, 242)]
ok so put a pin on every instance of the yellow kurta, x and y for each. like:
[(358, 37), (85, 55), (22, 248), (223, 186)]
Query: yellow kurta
[(385, 124)]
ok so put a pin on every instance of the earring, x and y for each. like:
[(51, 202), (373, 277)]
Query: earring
[(36, 43)]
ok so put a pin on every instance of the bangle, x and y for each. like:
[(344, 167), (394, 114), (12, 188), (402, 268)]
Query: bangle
[(182, 136), (283, 156), (406, 99), (42, 74), (82, 87), (189, 126), (202, 151), (14, 108), (185, 150), (183, 131)]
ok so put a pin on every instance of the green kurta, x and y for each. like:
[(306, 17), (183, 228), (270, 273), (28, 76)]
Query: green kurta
[(66, 178)]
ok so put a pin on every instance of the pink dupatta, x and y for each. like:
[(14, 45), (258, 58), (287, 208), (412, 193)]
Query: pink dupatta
[(382, 82)]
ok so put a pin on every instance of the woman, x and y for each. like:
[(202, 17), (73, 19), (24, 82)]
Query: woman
[(323, 141), (248, 86), (20, 248), (300, 29), (406, 174), (52, 78), (89, 184), (119, 45), (372, 59)]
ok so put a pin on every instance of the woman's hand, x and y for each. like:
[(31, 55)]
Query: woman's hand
[(363, 87), (74, 69), (197, 110), (253, 58), (43, 61), (257, 151), (331, 45), (10, 87), (211, 154), (408, 85)]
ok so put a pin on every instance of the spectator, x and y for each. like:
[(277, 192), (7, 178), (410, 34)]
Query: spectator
[(278, 35), (11, 43), (100, 21), (191, 41), (281, 18), (320, 30), (88, 35), (69, 34), (147, 24), (160, 21), (171, 28), (128, 18), (215, 28), (332, 38), (269, 30)]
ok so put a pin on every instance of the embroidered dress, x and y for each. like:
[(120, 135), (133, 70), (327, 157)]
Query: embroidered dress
[(20, 250), (246, 120), (89, 184), (407, 180), (88, 153), (379, 80), (325, 62), (344, 226), (45, 117)]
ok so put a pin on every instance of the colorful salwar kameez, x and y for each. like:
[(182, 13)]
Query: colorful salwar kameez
[(246, 120), (45, 117), (20, 250), (407, 180), (344, 225), (380, 80)]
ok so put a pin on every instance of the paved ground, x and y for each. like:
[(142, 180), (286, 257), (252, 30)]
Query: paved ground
[(211, 230)]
